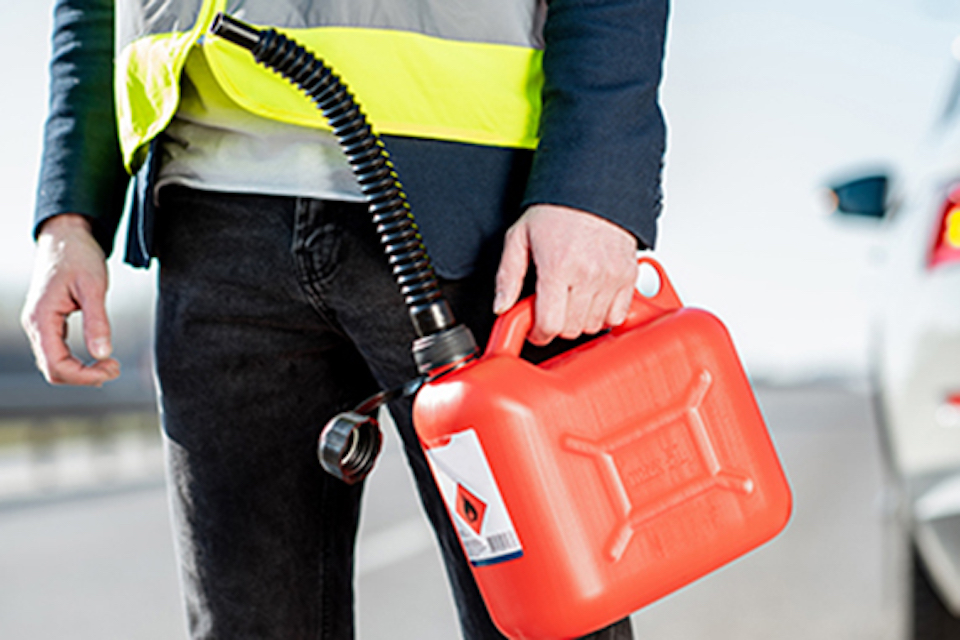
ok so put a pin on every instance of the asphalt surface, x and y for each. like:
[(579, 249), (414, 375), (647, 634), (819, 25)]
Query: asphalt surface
[(97, 562)]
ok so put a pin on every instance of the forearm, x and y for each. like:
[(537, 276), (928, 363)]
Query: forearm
[(602, 133), (81, 170)]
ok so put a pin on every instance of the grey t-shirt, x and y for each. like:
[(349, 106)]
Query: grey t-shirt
[(215, 144)]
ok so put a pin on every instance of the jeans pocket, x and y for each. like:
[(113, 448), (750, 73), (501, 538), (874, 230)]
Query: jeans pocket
[(316, 243)]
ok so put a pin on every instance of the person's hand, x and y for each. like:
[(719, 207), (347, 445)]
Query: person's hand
[(586, 271), (69, 274)]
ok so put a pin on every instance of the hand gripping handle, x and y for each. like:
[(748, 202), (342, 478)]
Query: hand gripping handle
[(512, 328)]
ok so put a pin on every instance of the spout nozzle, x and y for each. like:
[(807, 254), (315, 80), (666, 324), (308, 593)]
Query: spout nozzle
[(433, 317), (451, 347), (237, 32)]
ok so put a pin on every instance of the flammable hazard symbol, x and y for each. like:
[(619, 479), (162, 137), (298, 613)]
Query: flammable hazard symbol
[(470, 508)]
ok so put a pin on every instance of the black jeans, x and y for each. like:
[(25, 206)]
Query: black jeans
[(274, 314)]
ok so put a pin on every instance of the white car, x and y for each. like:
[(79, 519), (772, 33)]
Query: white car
[(916, 360)]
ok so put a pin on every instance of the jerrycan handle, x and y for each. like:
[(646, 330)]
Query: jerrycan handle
[(511, 329)]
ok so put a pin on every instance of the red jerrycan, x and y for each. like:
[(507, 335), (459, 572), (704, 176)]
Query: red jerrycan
[(590, 485)]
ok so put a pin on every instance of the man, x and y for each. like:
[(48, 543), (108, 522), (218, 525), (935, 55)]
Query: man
[(276, 308)]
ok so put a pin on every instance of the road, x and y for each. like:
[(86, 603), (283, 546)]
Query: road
[(98, 564)]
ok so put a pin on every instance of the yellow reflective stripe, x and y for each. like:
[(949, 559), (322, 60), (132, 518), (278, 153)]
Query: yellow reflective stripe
[(407, 84), (147, 78)]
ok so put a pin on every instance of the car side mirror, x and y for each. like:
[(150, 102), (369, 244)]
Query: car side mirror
[(865, 196)]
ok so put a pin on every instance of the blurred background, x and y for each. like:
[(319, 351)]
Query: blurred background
[(765, 103)]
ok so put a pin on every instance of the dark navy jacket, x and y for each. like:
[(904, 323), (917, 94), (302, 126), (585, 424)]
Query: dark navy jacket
[(601, 147)]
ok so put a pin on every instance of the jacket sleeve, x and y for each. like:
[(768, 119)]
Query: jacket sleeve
[(81, 169), (602, 134)]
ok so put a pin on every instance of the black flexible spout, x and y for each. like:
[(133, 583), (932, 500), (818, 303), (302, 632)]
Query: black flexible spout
[(350, 442), (399, 235)]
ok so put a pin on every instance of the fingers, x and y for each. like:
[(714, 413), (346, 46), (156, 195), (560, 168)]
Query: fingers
[(607, 302), (513, 268), (550, 310), (71, 371), (96, 327), (586, 270), (588, 308), (564, 311), (46, 329), (620, 306)]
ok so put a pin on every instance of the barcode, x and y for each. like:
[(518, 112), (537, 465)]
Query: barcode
[(502, 541)]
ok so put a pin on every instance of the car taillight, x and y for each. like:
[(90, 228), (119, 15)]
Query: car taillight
[(946, 239), (948, 413)]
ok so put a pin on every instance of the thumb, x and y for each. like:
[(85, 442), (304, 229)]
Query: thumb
[(513, 268), (96, 325)]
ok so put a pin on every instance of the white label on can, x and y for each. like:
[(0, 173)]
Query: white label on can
[(474, 501)]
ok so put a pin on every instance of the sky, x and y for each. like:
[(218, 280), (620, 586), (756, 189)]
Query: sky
[(765, 103)]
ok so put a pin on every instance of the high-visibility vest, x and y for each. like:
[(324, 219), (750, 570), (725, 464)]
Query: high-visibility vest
[(458, 70)]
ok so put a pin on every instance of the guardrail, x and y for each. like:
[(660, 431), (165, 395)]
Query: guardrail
[(57, 440)]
